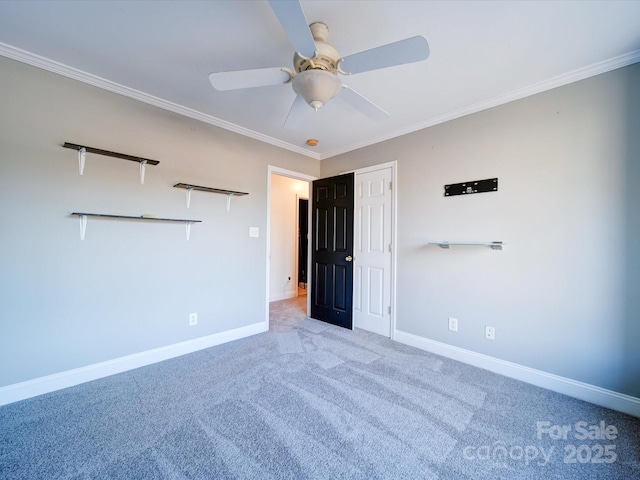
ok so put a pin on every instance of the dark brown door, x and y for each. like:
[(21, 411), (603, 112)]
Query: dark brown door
[(332, 250)]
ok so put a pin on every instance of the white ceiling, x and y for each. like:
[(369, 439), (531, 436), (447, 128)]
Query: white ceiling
[(483, 53)]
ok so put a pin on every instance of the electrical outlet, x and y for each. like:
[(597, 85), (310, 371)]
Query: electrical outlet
[(193, 319), (254, 232), (453, 324), (490, 333)]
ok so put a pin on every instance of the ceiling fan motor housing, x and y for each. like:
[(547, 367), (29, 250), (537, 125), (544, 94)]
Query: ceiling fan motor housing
[(326, 55)]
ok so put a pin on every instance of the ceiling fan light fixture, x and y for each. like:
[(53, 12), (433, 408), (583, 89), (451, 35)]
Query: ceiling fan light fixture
[(317, 87)]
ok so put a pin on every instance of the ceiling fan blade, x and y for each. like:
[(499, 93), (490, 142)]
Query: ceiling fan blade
[(294, 23), (296, 113), (360, 103), (409, 50), (238, 79)]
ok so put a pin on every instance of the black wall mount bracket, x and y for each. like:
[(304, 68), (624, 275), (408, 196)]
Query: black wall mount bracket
[(474, 186)]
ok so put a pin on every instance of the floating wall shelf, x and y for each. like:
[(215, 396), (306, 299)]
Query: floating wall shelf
[(82, 153), (83, 220), (228, 193), (492, 245)]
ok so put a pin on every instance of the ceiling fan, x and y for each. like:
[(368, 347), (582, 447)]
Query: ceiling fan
[(317, 65)]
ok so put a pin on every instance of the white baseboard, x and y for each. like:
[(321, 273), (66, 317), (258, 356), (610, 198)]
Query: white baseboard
[(57, 381), (275, 297), (583, 391)]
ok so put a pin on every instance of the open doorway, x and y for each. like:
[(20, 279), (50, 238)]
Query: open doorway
[(287, 243), (285, 236), (303, 244)]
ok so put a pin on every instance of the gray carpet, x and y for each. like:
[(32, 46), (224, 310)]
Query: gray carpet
[(309, 400)]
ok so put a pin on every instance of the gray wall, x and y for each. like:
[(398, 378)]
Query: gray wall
[(564, 295), (129, 286)]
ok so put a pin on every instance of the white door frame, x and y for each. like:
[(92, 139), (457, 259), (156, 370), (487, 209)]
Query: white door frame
[(272, 170), (394, 216)]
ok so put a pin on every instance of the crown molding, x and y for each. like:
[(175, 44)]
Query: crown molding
[(84, 77), (558, 81)]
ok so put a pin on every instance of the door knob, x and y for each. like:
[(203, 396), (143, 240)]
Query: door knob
[(349, 258)]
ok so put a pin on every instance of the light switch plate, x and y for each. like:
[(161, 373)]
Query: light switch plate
[(254, 232)]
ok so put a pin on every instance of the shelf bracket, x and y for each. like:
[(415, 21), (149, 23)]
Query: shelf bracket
[(82, 156), (189, 190), (188, 227), (229, 195), (83, 226), (143, 164)]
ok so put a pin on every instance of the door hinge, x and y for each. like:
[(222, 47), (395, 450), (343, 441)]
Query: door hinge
[(390, 248), (389, 309), (390, 185)]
